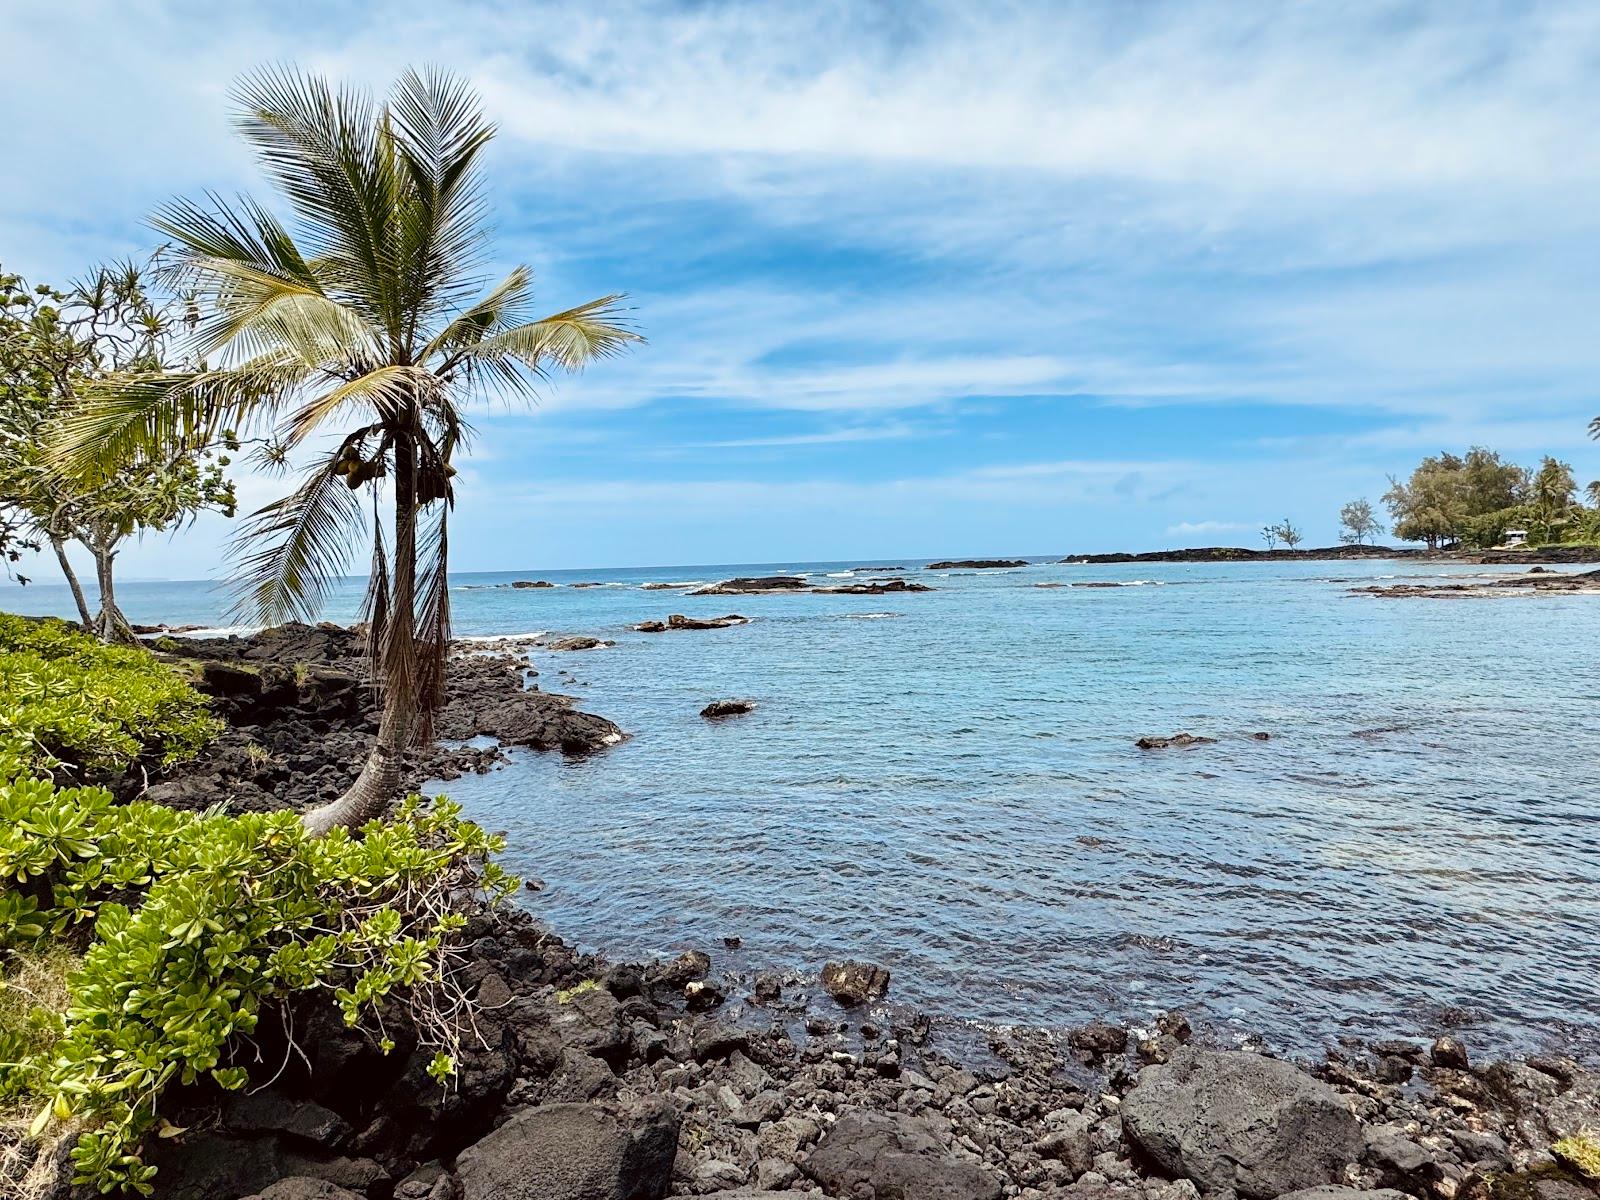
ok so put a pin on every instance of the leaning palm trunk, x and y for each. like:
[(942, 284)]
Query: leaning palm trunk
[(377, 785), (367, 340), (392, 646)]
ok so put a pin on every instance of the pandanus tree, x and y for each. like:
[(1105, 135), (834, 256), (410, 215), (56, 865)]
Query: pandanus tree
[(349, 341)]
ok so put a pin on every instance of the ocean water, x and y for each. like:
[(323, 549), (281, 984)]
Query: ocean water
[(947, 783)]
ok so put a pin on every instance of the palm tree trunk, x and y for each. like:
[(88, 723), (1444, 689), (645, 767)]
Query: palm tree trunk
[(396, 655), (377, 785), (84, 616)]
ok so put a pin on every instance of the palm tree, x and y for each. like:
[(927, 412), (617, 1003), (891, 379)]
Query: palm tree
[(1592, 491), (350, 343)]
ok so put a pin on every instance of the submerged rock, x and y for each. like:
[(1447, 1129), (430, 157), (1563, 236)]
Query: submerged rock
[(1182, 741), (1232, 1120), (719, 709), (852, 982), (873, 587)]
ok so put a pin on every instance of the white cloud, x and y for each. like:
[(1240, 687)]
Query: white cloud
[(890, 431), (1183, 528)]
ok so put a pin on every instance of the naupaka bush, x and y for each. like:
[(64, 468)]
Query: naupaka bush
[(191, 923), (74, 707)]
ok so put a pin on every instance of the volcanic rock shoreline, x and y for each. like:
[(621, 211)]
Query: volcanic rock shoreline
[(1535, 582), (589, 1079), (597, 1080), (301, 717)]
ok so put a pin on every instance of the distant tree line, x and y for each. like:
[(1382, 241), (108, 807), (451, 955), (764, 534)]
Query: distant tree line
[(1475, 499), (1470, 500)]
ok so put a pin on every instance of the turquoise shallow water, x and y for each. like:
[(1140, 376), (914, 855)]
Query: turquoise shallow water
[(947, 782)]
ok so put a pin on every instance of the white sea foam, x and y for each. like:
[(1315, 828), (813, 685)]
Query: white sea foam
[(841, 574), (870, 616), (218, 631)]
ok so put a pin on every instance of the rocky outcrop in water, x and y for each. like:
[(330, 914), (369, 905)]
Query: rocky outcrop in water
[(719, 709), (1535, 582), (873, 587), (975, 564), (578, 642), (1544, 554), (754, 585), (1205, 554), (786, 584), (533, 583), (678, 621)]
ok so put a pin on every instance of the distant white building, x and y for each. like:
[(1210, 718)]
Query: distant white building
[(1515, 537)]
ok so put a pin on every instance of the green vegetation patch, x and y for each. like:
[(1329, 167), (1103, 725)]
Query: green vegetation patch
[(67, 700), (1581, 1152), (568, 995), (189, 923)]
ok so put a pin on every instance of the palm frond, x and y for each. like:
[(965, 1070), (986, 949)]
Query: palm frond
[(323, 147), (498, 309), (387, 390), (439, 131), (141, 418), (248, 234), (309, 536), (255, 311), (569, 340)]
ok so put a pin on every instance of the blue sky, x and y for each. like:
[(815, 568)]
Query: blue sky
[(931, 279)]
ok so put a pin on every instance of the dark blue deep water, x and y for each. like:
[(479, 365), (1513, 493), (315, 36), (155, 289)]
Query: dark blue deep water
[(947, 782)]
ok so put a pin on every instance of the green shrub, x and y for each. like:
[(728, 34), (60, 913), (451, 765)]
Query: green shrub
[(194, 921), (67, 700)]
